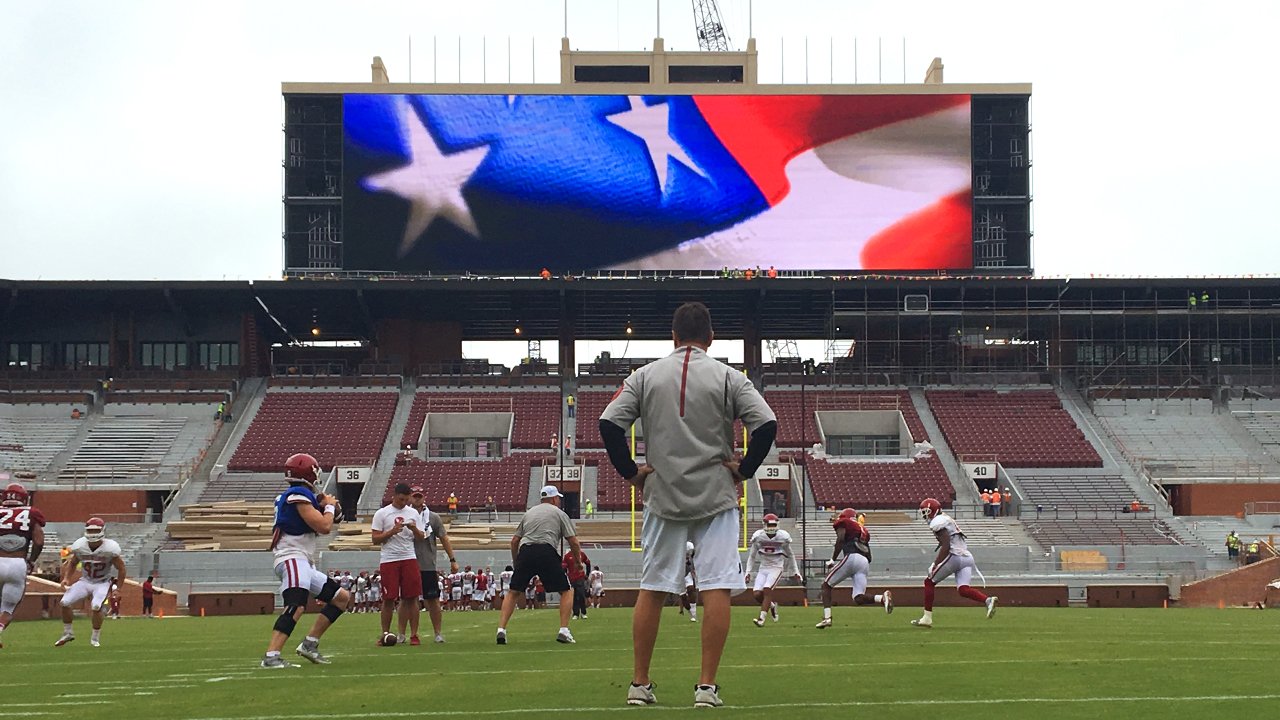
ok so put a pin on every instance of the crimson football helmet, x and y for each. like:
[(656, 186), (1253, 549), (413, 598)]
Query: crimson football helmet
[(845, 513), (95, 529), (770, 524), (14, 495), (929, 508), (302, 468)]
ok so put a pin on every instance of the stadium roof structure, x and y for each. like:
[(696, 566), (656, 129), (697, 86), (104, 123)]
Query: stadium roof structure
[(601, 307)]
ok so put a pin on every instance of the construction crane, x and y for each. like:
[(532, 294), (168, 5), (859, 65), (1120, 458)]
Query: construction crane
[(710, 29)]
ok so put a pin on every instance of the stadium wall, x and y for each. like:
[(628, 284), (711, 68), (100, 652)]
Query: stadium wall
[(1220, 498), (80, 505), (1242, 586)]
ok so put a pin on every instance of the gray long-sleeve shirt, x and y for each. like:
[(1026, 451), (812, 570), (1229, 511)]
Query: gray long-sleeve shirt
[(688, 402)]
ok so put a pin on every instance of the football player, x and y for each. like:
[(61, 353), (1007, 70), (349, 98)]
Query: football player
[(21, 540), (468, 589), (769, 552), (853, 542), (953, 558), (362, 592), (689, 599), (96, 555), (596, 579), (301, 515)]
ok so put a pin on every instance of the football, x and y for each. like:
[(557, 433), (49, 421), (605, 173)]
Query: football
[(388, 639)]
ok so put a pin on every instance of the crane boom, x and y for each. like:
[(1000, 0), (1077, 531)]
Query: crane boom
[(709, 27)]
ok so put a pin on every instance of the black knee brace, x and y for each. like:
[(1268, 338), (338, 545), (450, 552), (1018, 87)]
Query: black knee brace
[(331, 611), (294, 599), (327, 592)]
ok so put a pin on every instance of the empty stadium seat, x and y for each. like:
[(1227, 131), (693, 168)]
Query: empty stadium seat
[(338, 428), (879, 485), (473, 481), (1023, 428)]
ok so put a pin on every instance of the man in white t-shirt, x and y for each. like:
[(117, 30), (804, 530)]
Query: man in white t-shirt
[(395, 527), (596, 579)]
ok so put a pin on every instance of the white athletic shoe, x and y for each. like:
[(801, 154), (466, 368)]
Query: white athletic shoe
[(641, 694), (922, 623), (66, 638), (991, 606), (888, 602), (693, 618), (824, 624), (401, 639), (773, 611), (95, 643), (440, 639), (707, 696), (758, 621), (566, 637)]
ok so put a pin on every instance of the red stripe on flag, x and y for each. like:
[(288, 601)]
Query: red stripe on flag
[(939, 237), (763, 132)]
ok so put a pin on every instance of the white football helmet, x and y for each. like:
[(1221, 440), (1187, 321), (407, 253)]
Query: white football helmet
[(94, 529)]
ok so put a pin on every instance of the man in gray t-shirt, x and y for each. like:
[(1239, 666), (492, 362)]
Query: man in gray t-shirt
[(425, 548), (535, 551), (688, 402)]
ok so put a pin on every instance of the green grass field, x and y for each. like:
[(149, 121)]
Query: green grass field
[(1039, 663)]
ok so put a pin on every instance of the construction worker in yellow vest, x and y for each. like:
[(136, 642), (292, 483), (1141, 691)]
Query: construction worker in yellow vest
[(1252, 553), (1233, 545)]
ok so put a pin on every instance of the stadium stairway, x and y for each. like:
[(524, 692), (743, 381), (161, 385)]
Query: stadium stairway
[(243, 408), (391, 446), (87, 423), (966, 491)]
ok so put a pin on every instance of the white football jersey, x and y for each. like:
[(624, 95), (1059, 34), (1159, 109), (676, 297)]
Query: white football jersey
[(771, 552), (96, 564), (597, 577), (504, 580), (942, 521), (468, 581)]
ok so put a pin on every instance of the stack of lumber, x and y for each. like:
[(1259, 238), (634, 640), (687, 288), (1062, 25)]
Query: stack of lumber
[(235, 525), (463, 536)]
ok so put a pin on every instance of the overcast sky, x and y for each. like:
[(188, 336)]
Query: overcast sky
[(142, 140)]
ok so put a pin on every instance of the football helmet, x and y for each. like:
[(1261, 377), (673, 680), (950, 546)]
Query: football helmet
[(770, 524), (845, 513), (929, 508), (14, 495), (94, 529), (302, 468)]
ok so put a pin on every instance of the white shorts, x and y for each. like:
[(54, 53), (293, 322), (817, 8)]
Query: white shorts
[(13, 582), (477, 596), (96, 592), (597, 591), (362, 596), (767, 577), (456, 594), (854, 566), (962, 566), (716, 564), (375, 595), (298, 573)]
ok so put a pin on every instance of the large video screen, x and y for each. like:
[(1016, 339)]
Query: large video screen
[(502, 183)]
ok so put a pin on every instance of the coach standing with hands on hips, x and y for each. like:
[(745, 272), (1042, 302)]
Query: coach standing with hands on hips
[(688, 402)]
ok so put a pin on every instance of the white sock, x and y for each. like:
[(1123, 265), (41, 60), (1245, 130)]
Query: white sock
[(502, 631), (773, 606), (66, 628), (878, 598), (312, 639), (564, 631), (762, 614), (97, 634), (273, 653), (928, 615), (826, 613)]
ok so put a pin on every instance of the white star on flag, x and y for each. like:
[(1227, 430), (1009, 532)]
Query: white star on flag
[(650, 124), (431, 182)]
